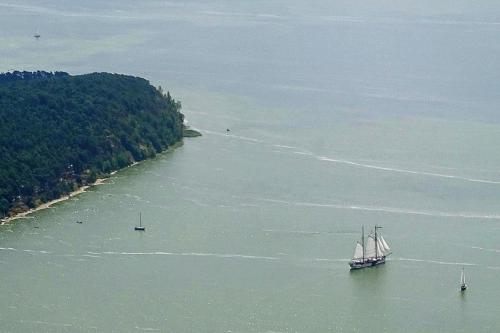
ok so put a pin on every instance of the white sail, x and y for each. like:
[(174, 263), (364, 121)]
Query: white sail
[(358, 252), (370, 247), (386, 247), (383, 250), (462, 278), (380, 248)]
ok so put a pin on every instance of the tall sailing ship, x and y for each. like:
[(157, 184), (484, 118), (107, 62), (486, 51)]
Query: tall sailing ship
[(372, 252)]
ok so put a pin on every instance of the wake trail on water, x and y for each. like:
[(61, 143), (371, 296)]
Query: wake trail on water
[(389, 210), (91, 254), (304, 152), (147, 329), (434, 261), (191, 254), (24, 250), (244, 138), (305, 232), (100, 255), (485, 249), (421, 173)]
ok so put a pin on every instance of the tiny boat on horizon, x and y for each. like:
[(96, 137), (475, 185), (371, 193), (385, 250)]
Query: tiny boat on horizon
[(463, 284), (140, 227)]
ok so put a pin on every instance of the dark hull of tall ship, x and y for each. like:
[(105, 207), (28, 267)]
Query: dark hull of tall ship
[(368, 262)]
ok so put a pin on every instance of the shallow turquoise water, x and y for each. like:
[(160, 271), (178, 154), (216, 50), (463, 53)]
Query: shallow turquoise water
[(339, 118)]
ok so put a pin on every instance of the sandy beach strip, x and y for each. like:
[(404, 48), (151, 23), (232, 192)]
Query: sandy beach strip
[(46, 205)]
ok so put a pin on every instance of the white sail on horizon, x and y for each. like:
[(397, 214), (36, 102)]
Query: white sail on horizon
[(358, 252), (380, 248), (386, 247), (383, 249), (370, 251), (373, 249)]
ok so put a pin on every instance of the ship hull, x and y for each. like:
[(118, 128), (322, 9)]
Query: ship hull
[(359, 264)]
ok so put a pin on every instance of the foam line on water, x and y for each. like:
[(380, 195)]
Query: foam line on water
[(332, 260), (244, 138), (413, 172), (439, 262), (8, 249), (382, 209), (190, 254), (308, 232), (24, 250), (147, 329), (485, 249), (284, 146), (298, 232), (41, 322), (303, 153), (496, 268), (300, 151)]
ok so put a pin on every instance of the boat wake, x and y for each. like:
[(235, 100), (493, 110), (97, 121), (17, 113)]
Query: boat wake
[(244, 138), (293, 232), (156, 253), (485, 249), (306, 232), (147, 329), (332, 260), (435, 261), (382, 209), (24, 250), (306, 153), (421, 173), (190, 254)]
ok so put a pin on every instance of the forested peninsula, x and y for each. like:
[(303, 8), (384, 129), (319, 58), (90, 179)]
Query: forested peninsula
[(60, 132)]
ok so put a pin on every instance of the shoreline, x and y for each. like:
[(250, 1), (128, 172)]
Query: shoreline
[(83, 189), (24, 215)]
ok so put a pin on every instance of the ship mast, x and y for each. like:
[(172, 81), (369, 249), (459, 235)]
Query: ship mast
[(376, 241), (363, 240)]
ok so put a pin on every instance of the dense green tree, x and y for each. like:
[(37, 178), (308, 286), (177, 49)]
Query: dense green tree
[(59, 131)]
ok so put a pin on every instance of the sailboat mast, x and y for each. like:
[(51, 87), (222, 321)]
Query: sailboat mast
[(376, 243), (140, 219), (363, 240)]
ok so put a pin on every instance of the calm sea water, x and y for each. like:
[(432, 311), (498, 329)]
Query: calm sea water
[(341, 115)]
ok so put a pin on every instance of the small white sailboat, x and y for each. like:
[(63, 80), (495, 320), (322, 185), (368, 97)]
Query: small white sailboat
[(37, 34), (463, 284), (140, 227), (371, 253)]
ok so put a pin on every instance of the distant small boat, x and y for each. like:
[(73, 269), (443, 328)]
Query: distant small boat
[(228, 130), (37, 35), (79, 222), (140, 227), (463, 285)]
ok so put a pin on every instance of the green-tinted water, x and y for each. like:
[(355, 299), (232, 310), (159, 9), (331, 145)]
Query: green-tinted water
[(334, 123)]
